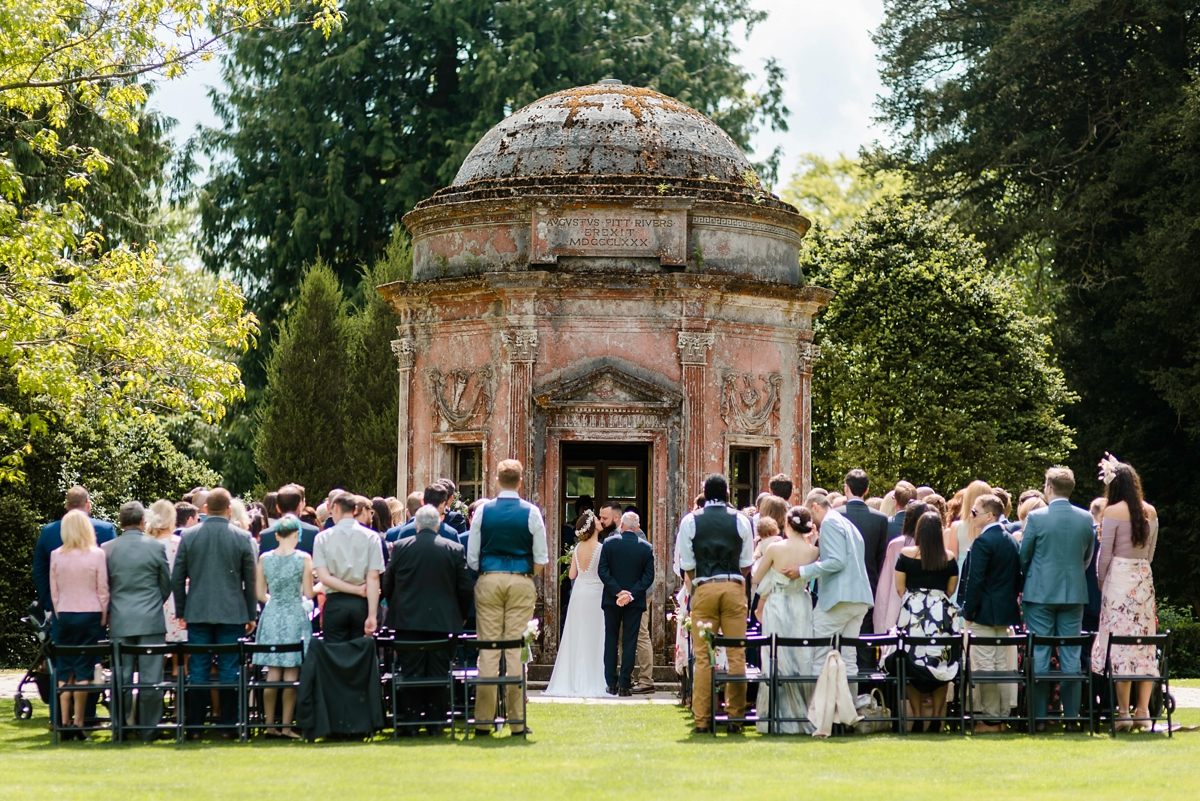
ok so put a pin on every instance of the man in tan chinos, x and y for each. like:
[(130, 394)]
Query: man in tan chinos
[(716, 550), (507, 546)]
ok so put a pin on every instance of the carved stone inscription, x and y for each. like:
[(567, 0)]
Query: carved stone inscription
[(608, 231)]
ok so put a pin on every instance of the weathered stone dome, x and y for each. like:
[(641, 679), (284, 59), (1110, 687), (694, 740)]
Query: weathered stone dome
[(606, 129)]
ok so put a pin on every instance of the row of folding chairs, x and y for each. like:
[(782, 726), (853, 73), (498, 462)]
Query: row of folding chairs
[(960, 711), (461, 683)]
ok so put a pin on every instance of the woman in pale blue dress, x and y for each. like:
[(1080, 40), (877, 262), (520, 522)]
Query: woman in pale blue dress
[(786, 610), (284, 583)]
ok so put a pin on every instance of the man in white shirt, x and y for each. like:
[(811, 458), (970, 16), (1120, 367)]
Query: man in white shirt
[(348, 561)]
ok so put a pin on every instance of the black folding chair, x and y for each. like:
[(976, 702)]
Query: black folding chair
[(399, 682), (101, 651), (753, 675), (876, 675), (779, 679), (165, 686), (254, 714), (187, 650), (974, 678), (473, 679), (953, 695), (1082, 677), (1161, 643)]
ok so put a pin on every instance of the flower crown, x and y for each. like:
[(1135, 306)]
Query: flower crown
[(588, 520), (1108, 468)]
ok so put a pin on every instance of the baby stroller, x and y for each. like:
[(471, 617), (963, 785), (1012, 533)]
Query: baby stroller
[(38, 673)]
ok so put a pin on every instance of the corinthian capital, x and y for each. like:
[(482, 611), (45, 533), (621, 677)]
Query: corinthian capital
[(521, 344), (693, 347), (808, 353), (405, 349)]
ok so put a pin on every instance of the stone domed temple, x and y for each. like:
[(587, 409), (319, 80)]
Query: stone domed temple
[(608, 294)]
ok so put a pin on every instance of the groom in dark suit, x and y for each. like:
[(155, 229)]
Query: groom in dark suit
[(627, 570)]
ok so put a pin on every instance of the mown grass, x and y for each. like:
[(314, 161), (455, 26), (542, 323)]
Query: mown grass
[(634, 751)]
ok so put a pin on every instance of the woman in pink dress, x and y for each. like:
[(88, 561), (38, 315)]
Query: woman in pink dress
[(1128, 534)]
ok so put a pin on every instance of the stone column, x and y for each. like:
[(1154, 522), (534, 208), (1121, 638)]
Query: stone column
[(808, 353), (405, 349), (693, 355), (522, 353)]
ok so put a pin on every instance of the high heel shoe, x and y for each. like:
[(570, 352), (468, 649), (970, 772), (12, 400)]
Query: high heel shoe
[(1123, 723), (1143, 721)]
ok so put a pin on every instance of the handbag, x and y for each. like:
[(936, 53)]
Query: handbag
[(871, 714)]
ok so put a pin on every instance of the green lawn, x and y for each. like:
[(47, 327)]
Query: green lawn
[(634, 751)]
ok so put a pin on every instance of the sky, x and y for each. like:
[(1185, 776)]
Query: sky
[(824, 46)]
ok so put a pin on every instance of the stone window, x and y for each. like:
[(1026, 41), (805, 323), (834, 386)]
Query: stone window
[(468, 472), (743, 476)]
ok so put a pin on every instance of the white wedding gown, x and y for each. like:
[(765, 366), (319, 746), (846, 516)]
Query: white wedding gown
[(579, 668)]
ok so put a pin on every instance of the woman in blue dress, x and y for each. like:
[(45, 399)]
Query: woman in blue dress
[(284, 583)]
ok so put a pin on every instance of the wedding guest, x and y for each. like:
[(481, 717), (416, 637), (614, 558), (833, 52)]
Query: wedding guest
[(1055, 551), (767, 533), (349, 561), (991, 584), (843, 590), (290, 501), (926, 574), (453, 518), (507, 546), (429, 593), (1027, 506), (213, 584), (309, 515), (396, 513), (836, 500), (961, 542), (1091, 612), (954, 514), (902, 493), (924, 492), (887, 601), (888, 505), (270, 506), (283, 578), (1129, 533), (78, 591), (239, 515), (139, 583), (435, 495), (50, 538), (786, 610), (381, 519), (186, 516), (781, 487), (876, 504), (715, 545), (872, 525)]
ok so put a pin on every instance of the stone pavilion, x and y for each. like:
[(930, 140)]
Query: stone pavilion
[(606, 293)]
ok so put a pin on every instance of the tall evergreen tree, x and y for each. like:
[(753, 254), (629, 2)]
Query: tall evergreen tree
[(371, 406), (1067, 134), (301, 429), (929, 368)]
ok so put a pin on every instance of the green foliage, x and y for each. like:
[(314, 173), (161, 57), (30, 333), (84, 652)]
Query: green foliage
[(326, 143), (929, 368), (371, 404), (301, 429), (1072, 130), (832, 193), (116, 460)]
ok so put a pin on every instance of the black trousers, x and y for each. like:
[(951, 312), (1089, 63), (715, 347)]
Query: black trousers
[(344, 617), (622, 622), (431, 703)]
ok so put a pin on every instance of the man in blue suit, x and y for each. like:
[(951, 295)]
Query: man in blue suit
[(51, 538), (627, 570), (435, 495), (1055, 552), (290, 500)]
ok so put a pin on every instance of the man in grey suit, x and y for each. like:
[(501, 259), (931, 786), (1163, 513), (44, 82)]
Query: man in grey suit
[(1055, 552), (139, 583), (219, 604)]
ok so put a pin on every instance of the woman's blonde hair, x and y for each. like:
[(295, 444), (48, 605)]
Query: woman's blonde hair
[(77, 532), (238, 516), (161, 517), (1028, 506)]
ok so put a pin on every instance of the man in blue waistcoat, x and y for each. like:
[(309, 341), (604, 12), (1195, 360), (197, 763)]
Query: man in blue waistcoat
[(507, 546)]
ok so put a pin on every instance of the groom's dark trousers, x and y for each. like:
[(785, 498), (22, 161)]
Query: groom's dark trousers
[(623, 622), (626, 565)]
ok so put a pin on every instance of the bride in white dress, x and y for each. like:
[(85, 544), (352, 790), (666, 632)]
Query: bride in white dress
[(579, 668)]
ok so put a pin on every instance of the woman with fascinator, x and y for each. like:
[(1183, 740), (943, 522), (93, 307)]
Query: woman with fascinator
[(1128, 534), (579, 667)]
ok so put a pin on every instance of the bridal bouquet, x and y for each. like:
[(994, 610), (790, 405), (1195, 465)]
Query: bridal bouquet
[(528, 636)]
